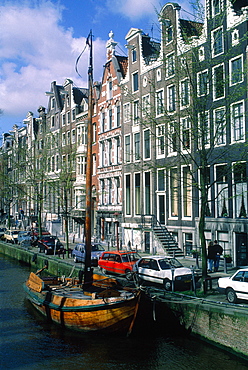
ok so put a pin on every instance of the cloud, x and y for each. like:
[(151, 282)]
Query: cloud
[(36, 50), (134, 9)]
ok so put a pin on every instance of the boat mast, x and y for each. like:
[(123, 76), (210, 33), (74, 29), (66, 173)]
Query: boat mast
[(88, 270)]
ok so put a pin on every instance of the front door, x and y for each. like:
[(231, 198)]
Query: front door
[(161, 209), (241, 249)]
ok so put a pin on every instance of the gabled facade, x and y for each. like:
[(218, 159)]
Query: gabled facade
[(109, 161)]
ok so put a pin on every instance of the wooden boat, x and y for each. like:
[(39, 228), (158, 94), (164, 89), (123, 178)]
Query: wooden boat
[(104, 307)]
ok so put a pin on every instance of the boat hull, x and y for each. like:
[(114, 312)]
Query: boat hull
[(111, 311)]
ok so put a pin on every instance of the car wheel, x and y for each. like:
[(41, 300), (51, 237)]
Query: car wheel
[(231, 296), (46, 251), (129, 275), (167, 284), (75, 259)]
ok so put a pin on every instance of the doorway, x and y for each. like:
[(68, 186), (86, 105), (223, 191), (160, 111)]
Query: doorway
[(241, 249)]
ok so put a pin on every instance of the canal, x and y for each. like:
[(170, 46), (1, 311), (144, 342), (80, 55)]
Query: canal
[(28, 342)]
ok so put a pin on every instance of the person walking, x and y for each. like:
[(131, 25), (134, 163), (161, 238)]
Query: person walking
[(218, 253), (211, 256)]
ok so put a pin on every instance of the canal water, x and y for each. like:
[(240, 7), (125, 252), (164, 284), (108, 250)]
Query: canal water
[(28, 342)]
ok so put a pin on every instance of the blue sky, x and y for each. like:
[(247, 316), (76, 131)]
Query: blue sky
[(40, 41)]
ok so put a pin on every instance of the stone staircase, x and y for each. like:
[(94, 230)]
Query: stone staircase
[(166, 239)]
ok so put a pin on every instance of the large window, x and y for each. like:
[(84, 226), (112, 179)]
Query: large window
[(202, 83), (117, 116), (172, 138), (137, 146), (160, 102), (236, 70), (147, 192), (203, 130), (184, 93), (174, 192), (220, 126), (185, 124), (161, 140), (171, 96), (126, 112), (135, 82), (221, 172), (81, 165), (240, 189), (127, 153), (137, 193), (217, 41), (170, 65), (161, 180), (145, 105), (128, 194), (110, 118), (219, 82), (147, 144), (237, 112), (102, 121), (187, 196), (136, 112)]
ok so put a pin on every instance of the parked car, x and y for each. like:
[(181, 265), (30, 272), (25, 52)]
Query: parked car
[(2, 231), (118, 262), (235, 287), (35, 233), (158, 269), (24, 237), (78, 253), (10, 236), (50, 244)]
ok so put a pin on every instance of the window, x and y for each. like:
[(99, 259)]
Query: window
[(53, 103), (216, 7), (147, 144), (63, 139), (203, 130), (169, 34), (202, 83), (102, 121), (63, 120), (220, 126), (134, 55), (236, 70), (237, 115), (137, 146), (117, 190), (147, 193), (109, 191), (109, 152), (174, 192), (161, 139), (221, 172), (126, 112), (161, 180), (52, 121), (172, 139), (145, 105), (110, 119), (81, 166), (217, 41), (118, 115), (102, 185), (109, 90), (73, 114), (135, 82), (184, 93), (68, 118), (170, 65), (137, 193), (127, 149), (136, 112), (160, 102), (185, 124), (219, 82), (187, 197), (171, 95), (240, 189), (128, 194), (117, 150)]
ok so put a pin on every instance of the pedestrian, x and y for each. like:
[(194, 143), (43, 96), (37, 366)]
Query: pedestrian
[(218, 253), (211, 256)]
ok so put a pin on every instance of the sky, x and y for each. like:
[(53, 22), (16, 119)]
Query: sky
[(40, 41)]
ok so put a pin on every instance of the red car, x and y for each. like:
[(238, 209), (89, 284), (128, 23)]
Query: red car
[(118, 262)]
